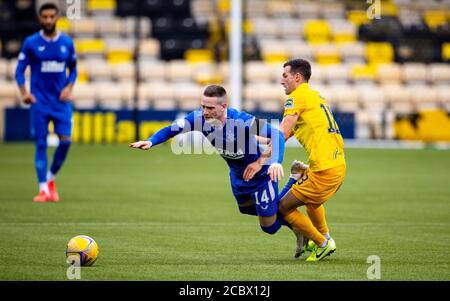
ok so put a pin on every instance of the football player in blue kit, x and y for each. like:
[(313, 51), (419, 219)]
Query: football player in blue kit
[(49, 54), (235, 135)]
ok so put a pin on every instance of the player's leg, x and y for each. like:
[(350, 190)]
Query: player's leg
[(317, 215), (313, 189), (297, 170), (39, 130), (303, 224), (316, 211), (63, 127), (300, 222), (246, 207), (266, 202)]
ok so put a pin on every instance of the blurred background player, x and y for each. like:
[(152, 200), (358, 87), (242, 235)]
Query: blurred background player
[(49, 53), (233, 134)]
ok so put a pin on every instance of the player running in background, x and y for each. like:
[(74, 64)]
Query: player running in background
[(234, 135), (307, 117), (49, 53)]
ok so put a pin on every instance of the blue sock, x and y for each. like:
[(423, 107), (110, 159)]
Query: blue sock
[(60, 155), (40, 159), (284, 222), (283, 192), (286, 188), (272, 229)]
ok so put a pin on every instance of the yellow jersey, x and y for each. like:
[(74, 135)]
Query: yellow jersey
[(316, 128)]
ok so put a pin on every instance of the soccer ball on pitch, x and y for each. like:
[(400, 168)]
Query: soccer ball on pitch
[(84, 247)]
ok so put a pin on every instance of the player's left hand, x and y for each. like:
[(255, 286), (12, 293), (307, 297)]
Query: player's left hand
[(145, 145), (251, 170), (275, 171), (66, 93)]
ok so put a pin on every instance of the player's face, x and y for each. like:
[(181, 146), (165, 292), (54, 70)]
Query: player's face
[(212, 109), (48, 18), (288, 80)]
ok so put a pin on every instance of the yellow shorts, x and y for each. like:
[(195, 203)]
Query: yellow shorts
[(316, 187)]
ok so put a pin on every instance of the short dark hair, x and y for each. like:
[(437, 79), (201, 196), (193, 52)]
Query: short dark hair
[(215, 91), (48, 5), (300, 66)]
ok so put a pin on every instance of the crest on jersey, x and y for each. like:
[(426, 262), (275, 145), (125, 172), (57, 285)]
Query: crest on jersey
[(63, 49), (289, 104)]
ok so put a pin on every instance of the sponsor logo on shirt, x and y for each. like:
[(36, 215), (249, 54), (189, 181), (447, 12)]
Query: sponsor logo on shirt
[(41, 48), (289, 104), (52, 66), (230, 155)]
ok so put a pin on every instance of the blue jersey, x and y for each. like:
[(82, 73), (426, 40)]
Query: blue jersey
[(48, 60), (235, 141)]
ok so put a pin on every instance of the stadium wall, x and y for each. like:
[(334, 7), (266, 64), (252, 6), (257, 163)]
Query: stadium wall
[(101, 126)]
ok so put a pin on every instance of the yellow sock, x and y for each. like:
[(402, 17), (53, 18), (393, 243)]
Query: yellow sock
[(301, 223), (317, 216)]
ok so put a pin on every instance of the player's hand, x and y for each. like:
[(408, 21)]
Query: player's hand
[(275, 172), (145, 145), (66, 93), (28, 98), (251, 170)]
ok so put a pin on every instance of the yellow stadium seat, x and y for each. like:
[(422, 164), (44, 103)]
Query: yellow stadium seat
[(82, 77), (119, 56), (358, 17), (363, 72), (404, 130), (434, 18), (344, 37), (205, 79), (434, 125), (248, 27), (63, 24), (85, 46), (317, 31), (275, 57), (388, 9), (101, 5), (198, 55), (379, 53), (446, 52), (224, 5)]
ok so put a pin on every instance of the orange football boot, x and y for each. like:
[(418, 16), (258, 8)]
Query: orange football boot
[(54, 196), (42, 197)]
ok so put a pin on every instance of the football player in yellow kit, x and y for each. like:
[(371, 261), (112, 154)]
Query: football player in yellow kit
[(308, 118)]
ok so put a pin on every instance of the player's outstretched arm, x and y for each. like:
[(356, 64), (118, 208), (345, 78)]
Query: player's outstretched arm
[(144, 145), (165, 133)]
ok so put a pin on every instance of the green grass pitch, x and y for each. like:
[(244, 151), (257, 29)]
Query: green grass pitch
[(160, 216)]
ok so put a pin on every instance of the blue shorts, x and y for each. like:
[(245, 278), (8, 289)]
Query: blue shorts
[(262, 192), (40, 117)]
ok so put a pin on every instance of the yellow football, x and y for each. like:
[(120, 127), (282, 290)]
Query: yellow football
[(84, 247)]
